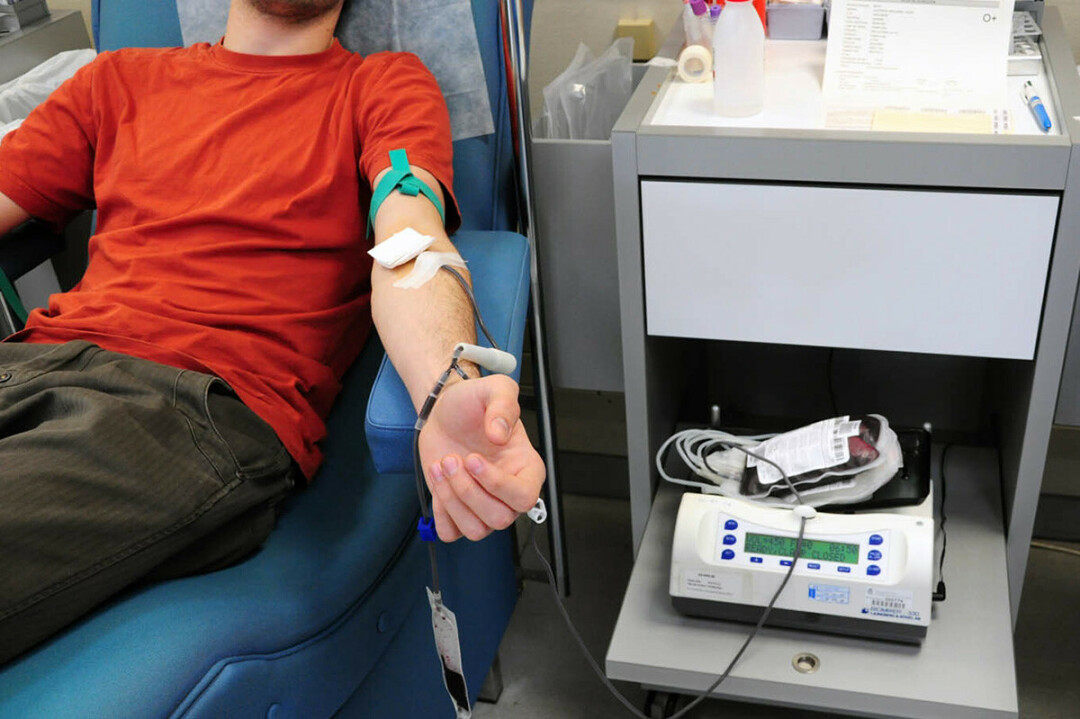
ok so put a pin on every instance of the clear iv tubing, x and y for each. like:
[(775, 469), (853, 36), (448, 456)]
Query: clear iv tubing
[(422, 418), (693, 447), (531, 540), (425, 412)]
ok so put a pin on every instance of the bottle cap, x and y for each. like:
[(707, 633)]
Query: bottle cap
[(714, 11), (699, 7)]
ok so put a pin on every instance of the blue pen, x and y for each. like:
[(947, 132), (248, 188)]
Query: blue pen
[(1037, 107)]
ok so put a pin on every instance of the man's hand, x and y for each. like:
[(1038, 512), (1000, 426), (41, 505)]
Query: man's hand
[(480, 466)]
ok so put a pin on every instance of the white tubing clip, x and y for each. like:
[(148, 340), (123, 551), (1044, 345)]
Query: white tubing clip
[(538, 513), (805, 511), (489, 358)]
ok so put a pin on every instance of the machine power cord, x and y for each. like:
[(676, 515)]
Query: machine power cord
[(940, 594), (530, 540)]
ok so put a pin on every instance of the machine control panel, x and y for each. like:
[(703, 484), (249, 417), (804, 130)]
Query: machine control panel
[(741, 542)]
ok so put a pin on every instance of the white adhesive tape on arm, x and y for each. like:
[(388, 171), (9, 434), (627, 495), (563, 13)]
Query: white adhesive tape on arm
[(695, 64), (400, 248), (425, 267)]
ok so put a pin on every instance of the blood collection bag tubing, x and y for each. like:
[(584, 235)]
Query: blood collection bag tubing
[(804, 512), (444, 623), (538, 514)]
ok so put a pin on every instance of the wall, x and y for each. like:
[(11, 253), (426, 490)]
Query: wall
[(82, 6)]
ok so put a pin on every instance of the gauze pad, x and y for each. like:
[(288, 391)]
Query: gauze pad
[(400, 248), (425, 267)]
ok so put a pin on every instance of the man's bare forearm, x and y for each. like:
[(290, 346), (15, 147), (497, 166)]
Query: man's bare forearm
[(418, 327), (11, 215)]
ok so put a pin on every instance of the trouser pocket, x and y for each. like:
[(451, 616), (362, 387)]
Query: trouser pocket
[(239, 443)]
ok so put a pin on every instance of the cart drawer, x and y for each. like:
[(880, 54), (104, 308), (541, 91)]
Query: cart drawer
[(958, 273)]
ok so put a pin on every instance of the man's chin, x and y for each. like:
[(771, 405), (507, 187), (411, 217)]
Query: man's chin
[(296, 11)]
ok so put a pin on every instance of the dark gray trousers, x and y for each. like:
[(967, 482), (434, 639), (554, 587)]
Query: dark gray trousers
[(114, 471)]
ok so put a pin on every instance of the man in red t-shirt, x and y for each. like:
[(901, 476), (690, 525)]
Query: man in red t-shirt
[(152, 418)]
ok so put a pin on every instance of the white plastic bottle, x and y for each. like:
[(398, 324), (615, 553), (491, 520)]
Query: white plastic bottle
[(739, 61)]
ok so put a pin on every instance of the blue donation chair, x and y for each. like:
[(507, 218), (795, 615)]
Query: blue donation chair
[(330, 618)]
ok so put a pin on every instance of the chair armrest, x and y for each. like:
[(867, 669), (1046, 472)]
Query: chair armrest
[(499, 265), (27, 246)]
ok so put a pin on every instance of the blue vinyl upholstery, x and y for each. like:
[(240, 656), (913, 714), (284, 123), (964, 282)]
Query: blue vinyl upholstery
[(330, 617), (302, 623)]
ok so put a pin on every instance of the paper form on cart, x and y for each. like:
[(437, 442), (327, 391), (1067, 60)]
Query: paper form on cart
[(918, 65)]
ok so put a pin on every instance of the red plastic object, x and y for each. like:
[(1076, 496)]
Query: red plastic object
[(759, 5)]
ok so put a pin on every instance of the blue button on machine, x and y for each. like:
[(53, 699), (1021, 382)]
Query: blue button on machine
[(731, 524), (873, 570), (728, 554), (756, 560), (729, 539), (844, 570), (785, 562), (874, 555), (813, 565), (876, 539)]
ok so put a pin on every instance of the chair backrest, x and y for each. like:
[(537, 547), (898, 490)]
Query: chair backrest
[(488, 199)]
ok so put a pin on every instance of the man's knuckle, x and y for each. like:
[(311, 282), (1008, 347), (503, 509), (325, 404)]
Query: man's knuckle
[(525, 502), (466, 490), (495, 483), (476, 532), (439, 490)]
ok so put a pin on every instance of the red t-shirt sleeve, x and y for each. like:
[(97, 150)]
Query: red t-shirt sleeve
[(46, 164), (403, 108)]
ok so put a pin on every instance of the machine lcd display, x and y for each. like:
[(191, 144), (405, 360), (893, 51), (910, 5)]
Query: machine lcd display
[(811, 548)]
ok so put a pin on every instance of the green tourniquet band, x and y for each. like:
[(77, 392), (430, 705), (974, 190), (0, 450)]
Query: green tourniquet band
[(400, 178), (8, 291)]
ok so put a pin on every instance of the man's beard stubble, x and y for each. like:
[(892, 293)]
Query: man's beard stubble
[(295, 11)]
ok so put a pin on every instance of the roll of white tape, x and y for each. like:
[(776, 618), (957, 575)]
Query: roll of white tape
[(695, 64)]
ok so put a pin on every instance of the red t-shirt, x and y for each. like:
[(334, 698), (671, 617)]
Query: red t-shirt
[(232, 193)]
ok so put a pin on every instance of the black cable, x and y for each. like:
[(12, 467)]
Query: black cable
[(425, 411), (424, 510), (419, 473), (766, 460), (422, 495), (710, 443), (939, 593), (531, 541)]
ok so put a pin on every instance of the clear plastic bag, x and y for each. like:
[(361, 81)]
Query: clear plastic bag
[(872, 458), (553, 121), (861, 455), (586, 99)]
